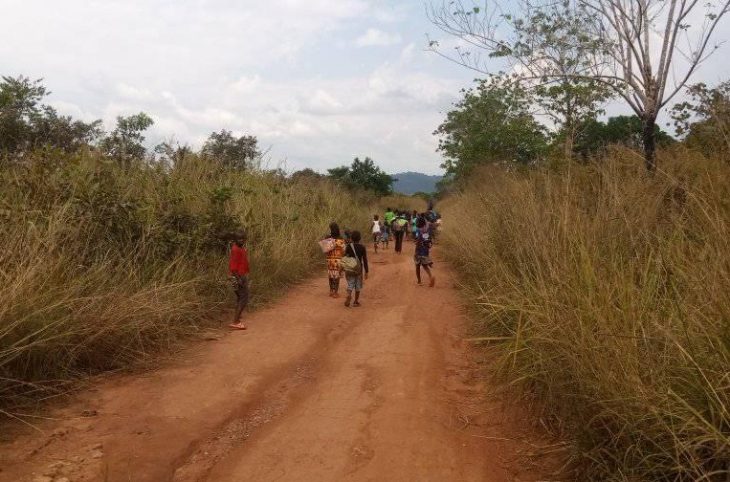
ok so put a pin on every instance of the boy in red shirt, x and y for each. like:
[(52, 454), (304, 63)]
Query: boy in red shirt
[(239, 269)]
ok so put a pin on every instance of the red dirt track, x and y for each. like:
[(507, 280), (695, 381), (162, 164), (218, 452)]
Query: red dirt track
[(313, 391)]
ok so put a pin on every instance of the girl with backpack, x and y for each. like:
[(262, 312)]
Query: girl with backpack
[(355, 266)]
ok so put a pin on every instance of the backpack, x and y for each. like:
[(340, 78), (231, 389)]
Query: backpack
[(398, 225), (351, 264)]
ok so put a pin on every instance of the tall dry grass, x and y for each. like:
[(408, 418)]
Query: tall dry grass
[(608, 292), (102, 266)]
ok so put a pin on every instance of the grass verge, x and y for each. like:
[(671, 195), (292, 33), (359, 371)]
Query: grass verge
[(607, 290), (102, 266)]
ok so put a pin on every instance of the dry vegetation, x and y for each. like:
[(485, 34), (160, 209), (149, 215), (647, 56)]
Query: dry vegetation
[(608, 292), (101, 266)]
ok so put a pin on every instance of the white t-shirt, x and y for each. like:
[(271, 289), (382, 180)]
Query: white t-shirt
[(376, 227)]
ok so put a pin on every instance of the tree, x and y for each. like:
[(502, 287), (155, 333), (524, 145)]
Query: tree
[(703, 120), (306, 174), (19, 99), (233, 152), (492, 123), (125, 142), (622, 130), (26, 123), (171, 153), (363, 174), (567, 98), (63, 132), (339, 173), (623, 54)]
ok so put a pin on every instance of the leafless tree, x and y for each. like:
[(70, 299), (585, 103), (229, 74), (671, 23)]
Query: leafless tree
[(644, 50)]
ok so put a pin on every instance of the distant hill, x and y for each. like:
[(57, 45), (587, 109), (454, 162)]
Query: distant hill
[(413, 182)]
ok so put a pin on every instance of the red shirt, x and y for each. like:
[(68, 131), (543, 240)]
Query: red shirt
[(238, 264)]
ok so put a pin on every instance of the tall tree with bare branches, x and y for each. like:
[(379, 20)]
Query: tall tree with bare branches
[(568, 99), (644, 50)]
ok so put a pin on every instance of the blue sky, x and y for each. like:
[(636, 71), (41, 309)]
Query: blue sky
[(317, 81)]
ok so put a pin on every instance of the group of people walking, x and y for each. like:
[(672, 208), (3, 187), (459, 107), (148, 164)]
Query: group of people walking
[(347, 256), (400, 225)]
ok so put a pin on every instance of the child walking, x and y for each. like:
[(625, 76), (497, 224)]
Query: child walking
[(333, 260), (239, 269), (377, 228), (414, 224), (422, 257), (355, 279), (385, 236)]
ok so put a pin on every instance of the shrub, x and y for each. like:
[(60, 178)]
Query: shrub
[(607, 291), (103, 265)]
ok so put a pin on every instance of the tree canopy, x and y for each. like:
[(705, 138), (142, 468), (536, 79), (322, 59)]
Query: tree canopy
[(645, 51), (364, 174), (26, 123), (703, 120), (231, 151), (623, 130), (492, 123), (126, 141), (307, 173)]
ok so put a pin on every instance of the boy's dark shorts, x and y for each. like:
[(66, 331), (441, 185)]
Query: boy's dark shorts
[(354, 283), (240, 286), (423, 261)]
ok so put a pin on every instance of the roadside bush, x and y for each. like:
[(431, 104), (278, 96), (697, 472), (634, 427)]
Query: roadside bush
[(606, 289), (101, 266)]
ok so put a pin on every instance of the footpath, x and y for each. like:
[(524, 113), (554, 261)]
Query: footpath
[(313, 391)]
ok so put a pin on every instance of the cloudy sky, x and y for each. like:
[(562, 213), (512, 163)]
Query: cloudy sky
[(317, 81)]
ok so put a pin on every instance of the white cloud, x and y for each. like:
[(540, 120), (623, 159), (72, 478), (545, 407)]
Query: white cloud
[(377, 38), (130, 92), (388, 115), (408, 53), (286, 71), (324, 103), (246, 84), (72, 109)]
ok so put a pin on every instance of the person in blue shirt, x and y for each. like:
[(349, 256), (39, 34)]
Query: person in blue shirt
[(422, 257)]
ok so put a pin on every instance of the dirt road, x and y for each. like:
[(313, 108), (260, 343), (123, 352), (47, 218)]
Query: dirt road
[(313, 391)]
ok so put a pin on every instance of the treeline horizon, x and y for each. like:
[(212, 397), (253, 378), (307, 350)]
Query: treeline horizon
[(27, 125), (496, 122)]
